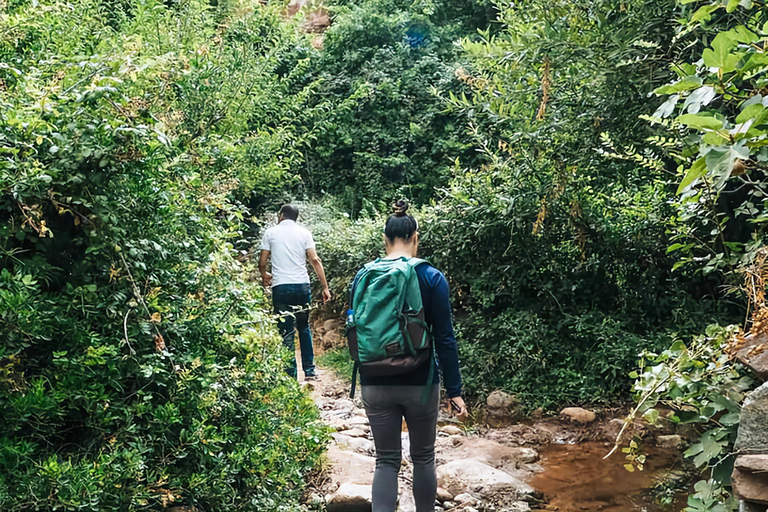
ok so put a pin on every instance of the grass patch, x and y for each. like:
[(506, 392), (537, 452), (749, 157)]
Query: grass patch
[(337, 360)]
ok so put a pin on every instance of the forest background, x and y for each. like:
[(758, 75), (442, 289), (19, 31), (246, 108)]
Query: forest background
[(589, 176)]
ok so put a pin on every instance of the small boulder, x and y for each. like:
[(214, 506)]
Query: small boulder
[(443, 495), (501, 409), (448, 505), (451, 430), (753, 435), (578, 415), (501, 400), (475, 476), (350, 498), (673, 441)]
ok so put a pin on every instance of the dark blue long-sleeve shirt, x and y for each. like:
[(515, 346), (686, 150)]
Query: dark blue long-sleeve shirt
[(437, 311)]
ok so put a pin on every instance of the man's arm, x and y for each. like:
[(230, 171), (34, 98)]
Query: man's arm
[(266, 277), (317, 264)]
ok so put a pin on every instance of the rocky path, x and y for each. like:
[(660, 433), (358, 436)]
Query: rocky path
[(478, 470)]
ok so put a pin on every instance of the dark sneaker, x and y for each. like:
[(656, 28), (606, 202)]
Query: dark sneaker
[(309, 378)]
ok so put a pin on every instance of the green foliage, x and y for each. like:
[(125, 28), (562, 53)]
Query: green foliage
[(720, 126), (137, 369), (370, 126), (704, 390)]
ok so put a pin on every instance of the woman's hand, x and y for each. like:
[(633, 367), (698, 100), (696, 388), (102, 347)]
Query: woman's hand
[(463, 413)]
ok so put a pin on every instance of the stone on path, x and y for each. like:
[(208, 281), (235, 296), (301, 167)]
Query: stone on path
[(350, 467), (451, 430), (578, 415), (354, 432), (358, 444), (443, 495), (753, 434), (474, 476), (350, 498)]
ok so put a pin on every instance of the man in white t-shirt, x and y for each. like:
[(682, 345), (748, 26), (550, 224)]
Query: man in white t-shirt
[(289, 246)]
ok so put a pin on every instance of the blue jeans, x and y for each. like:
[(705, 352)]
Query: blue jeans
[(291, 301)]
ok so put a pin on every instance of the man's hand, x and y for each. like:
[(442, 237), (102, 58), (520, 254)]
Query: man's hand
[(463, 414), (266, 280), (327, 295)]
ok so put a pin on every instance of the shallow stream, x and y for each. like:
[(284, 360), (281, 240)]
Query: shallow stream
[(576, 478)]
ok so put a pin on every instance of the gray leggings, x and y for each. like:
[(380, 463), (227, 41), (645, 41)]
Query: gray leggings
[(386, 406)]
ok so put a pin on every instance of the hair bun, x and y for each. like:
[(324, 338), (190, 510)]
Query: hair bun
[(400, 208)]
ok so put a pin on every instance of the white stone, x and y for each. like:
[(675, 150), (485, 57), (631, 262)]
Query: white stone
[(578, 415), (350, 498), (451, 430), (443, 495), (474, 476)]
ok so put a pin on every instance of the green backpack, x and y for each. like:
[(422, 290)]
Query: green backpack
[(386, 329)]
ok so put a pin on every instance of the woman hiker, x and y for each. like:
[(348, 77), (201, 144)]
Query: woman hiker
[(390, 398)]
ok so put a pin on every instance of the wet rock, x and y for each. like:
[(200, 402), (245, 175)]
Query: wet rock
[(474, 476), (501, 409), (753, 353), (350, 498), (752, 463), (451, 430), (449, 505), (524, 455), (673, 441), (611, 429), (578, 415), (443, 495), (751, 487), (753, 434)]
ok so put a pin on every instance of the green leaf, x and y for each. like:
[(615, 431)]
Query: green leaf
[(732, 5), (686, 84), (720, 56), (704, 13), (697, 170), (751, 112), (700, 121)]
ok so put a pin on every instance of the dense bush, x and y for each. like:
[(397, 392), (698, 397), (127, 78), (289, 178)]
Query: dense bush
[(137, 368), (369, 125), (554, 235)]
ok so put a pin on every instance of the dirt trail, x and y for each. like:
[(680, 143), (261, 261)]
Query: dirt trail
[(562, 461)]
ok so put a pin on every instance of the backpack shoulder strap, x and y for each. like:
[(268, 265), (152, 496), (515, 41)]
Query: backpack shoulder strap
[(415, 262)]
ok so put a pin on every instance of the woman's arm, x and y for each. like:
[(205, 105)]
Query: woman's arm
[(443, 336)]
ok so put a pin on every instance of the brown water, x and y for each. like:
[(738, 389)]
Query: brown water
[(576, 478)]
